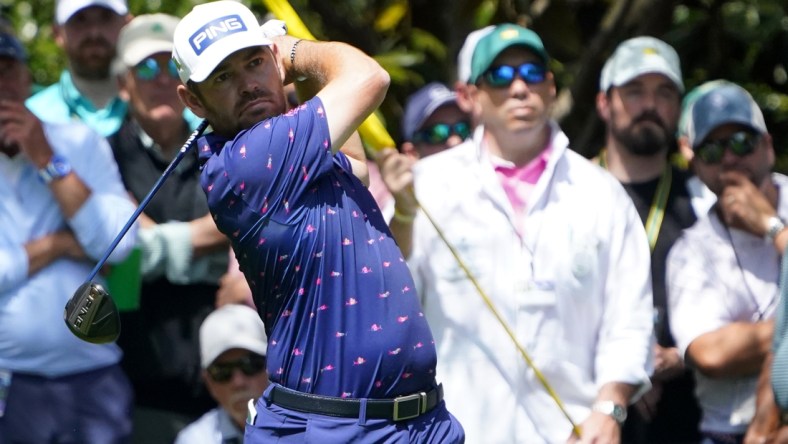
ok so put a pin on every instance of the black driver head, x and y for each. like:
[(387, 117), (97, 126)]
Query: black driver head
[(91, 314)]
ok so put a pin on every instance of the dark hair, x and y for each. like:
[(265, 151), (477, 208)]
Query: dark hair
[(191, 85)]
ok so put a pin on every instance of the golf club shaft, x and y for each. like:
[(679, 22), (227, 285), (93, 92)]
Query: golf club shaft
[(178, 157)]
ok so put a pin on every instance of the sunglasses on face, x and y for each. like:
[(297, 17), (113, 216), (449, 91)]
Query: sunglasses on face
[(740, 144), (149, 69), (502, 76), (440, 132), (249, 365)]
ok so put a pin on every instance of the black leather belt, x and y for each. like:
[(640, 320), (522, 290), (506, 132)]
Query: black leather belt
[(397, 409)]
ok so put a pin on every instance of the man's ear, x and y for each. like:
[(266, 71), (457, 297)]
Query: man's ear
[(191, 101), (685, 149), (602, 106), (770, 156), (123, 93), (59, 31), (463, 96)]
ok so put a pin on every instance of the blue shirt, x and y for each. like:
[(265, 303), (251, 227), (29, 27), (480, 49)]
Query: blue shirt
[(336, 296), (62, 102), (33, 336)]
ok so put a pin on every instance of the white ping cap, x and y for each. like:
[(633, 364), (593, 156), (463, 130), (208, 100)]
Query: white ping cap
[(210, 33)]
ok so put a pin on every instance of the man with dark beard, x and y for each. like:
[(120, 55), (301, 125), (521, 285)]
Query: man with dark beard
[(640, 100), (87, 30)]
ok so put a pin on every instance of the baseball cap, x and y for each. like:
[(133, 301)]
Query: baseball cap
[(499, 39), (638, 56), (231, 326), (422, 104), (725, 104), (689, 100), (144, 36), (11, 47), (210, 33), (67, 8), (466, 52)]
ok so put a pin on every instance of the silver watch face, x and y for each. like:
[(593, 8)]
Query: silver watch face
[(619, 413), (616, 411)]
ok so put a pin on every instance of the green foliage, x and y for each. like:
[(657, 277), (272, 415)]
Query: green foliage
[(745, 41)]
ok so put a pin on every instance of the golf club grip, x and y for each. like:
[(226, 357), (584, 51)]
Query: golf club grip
[(181, 153)]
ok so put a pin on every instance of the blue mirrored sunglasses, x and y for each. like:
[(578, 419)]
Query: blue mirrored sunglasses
[(149, 68), (502, 76), (440, 132), (741, 144)]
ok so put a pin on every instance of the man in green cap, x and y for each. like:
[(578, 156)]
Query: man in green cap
[(556, 245)]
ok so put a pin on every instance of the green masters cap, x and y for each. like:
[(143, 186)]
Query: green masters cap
[(502, 37)]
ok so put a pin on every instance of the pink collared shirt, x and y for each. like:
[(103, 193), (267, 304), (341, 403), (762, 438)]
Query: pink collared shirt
[(519, 182)]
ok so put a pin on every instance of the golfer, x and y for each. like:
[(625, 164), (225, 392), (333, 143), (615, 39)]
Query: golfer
[(350, 355)]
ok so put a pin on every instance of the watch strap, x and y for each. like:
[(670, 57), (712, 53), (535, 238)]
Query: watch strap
[(57, 168), (774, 226), (610, 408)]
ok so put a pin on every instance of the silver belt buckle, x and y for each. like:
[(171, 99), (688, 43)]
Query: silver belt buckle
[(405, 408)]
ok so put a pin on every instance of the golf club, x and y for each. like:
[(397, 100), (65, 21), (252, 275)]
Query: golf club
[(91, 313)]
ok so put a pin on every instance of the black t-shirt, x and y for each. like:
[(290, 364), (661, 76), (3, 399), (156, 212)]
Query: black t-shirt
[(678, 216)]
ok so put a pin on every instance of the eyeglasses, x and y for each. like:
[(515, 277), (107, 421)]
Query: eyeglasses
[(440, 132), (250, 365), (149, 69), (503, 75), (741, 144)]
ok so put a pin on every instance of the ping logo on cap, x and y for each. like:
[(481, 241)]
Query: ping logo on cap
[(215, 30)]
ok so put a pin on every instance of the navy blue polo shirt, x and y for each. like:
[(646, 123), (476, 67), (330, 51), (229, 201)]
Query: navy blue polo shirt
[(337, 298)]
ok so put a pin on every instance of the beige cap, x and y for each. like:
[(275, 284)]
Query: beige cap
[(638, 56), (144, 36)]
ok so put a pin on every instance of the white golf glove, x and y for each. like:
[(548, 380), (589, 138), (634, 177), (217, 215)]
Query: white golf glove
[(273, 28)]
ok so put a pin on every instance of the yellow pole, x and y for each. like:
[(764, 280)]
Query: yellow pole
[(374, 133)]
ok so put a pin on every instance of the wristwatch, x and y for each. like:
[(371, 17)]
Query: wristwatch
[(610, 408), (57, 168), (775, 226)]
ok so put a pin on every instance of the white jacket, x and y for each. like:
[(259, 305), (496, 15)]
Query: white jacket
[(576, 290)]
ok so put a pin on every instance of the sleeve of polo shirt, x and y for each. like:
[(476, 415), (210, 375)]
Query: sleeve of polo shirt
[(696, 295), (624, 349), (167, 251), (279, 159), (108, 208), (13, 266)]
